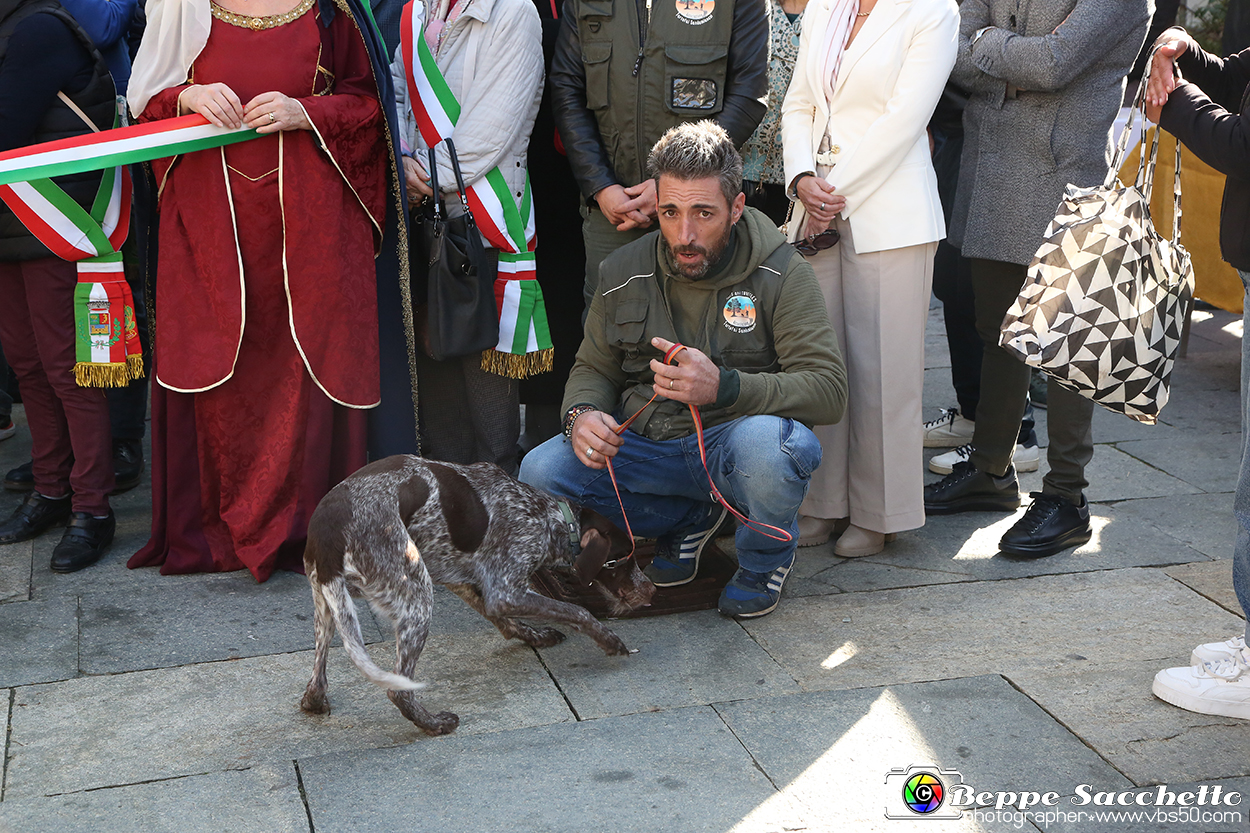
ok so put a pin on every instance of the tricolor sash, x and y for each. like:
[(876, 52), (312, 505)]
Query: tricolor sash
[(524, 346), (106, 336)]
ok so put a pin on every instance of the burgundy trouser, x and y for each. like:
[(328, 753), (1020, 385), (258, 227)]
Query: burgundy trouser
[(69, 425)]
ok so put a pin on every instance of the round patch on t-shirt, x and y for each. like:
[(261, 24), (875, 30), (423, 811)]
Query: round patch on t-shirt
[(740, 312)]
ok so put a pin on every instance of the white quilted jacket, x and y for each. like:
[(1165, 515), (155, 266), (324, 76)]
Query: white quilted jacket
[(492, 59)]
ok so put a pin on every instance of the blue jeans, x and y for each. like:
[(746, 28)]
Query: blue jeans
[(1241, 502), (761, 464)]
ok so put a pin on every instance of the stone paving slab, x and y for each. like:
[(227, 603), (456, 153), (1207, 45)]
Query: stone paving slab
[(1209, 461), (1110, 706), (1213, 579), (1205, 523), (263, 799), (98, 731), (1206, 411), (15, 566), (1205, 371), (837, 749), (964, 547), (1114, 475), (678, 771), (182, 623), (38, 641), (1004, 627), (684, 660), (1165, 819), (1111, 427)]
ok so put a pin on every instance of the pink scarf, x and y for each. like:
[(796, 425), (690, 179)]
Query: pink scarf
[(439, 13), (837, 34)]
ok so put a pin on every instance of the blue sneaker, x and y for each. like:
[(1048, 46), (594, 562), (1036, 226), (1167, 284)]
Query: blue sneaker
[(751, 594), (677, 554)]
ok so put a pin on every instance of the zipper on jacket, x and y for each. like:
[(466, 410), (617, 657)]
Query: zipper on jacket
[(643, 22)]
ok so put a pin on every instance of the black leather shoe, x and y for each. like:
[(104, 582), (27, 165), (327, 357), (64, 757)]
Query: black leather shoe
[(1050, 525), (22, 478), (127, 464), (35, 516), (84, 542), (968, 489)]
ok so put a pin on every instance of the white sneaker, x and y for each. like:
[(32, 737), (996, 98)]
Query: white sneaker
[(1220, 651), (948, 430), (7, 431), (1024, 458), (1221, 688)]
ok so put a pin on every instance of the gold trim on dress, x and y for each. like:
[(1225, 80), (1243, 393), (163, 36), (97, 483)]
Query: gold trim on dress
[(271, 21), (252, 178)]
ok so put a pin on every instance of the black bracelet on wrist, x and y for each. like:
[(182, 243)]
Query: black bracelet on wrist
[(570, 417)]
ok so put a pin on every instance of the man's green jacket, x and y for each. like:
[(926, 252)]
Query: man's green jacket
[(758, 314)]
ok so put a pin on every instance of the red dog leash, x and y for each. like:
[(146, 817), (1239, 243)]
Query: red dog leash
[(762, 528)]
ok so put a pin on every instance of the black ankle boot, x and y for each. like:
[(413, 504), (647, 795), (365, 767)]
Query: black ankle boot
[(1050, 525), (127, 465), (22, 478), (84, 542), (35, 516)]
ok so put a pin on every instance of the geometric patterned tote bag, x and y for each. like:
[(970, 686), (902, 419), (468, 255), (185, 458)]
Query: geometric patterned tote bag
[(1102, 308)]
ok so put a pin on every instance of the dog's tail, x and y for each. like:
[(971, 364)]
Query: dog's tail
[(340, 602)]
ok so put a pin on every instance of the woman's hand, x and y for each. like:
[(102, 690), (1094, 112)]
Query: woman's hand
[(215, 102), (417, 179), (271, 112), (1171, 45), (822, 204)]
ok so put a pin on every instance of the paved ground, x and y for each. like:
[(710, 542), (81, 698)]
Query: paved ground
[(136, 702)]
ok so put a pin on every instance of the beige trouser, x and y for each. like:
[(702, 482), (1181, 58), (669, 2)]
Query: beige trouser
[(878, 303)]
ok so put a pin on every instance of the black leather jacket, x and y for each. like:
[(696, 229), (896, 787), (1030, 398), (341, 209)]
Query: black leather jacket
[(743, 68)]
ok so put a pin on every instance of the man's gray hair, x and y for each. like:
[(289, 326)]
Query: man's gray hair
[(698, 150)]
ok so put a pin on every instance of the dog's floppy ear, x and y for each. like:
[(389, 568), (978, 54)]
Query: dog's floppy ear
[(594, 554)]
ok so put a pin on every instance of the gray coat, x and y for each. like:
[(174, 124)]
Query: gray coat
[(1045, 87)]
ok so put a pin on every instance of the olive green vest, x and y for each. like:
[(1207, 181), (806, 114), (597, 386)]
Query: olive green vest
[(639, 87)]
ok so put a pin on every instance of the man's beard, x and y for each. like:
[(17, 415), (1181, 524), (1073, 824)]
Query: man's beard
[(711, 256)]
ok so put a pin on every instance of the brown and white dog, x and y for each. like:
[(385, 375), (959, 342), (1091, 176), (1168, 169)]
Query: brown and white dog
[(400, 523)]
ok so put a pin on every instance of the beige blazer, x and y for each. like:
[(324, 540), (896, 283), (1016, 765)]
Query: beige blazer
[(890, 80)]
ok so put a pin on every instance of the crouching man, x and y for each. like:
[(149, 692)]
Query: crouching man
[(760, 362)]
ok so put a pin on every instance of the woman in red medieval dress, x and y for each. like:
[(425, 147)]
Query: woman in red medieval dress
[(266, 297)]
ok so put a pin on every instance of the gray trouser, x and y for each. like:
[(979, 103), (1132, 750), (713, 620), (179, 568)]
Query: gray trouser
[(602, 239), (1005, 387), (468, 415), (1241, 501)]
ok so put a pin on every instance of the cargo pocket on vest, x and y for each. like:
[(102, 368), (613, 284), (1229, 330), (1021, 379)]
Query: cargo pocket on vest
[(626, 334), (595, 58), (695, 79)]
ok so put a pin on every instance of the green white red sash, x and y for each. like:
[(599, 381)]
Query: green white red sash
[(524, 346), (107, 338)]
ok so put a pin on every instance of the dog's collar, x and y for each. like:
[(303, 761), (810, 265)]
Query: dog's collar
[(572, 526)]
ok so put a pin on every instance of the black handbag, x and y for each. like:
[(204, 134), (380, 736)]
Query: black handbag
[(461, 316)]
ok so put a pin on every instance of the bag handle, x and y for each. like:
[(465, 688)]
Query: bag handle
[(1146, 170), (438, 195), (460, 188)]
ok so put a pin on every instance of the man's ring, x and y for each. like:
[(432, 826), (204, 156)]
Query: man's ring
[(822, 205), (273, 118), (670, 384), (590, 451)]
